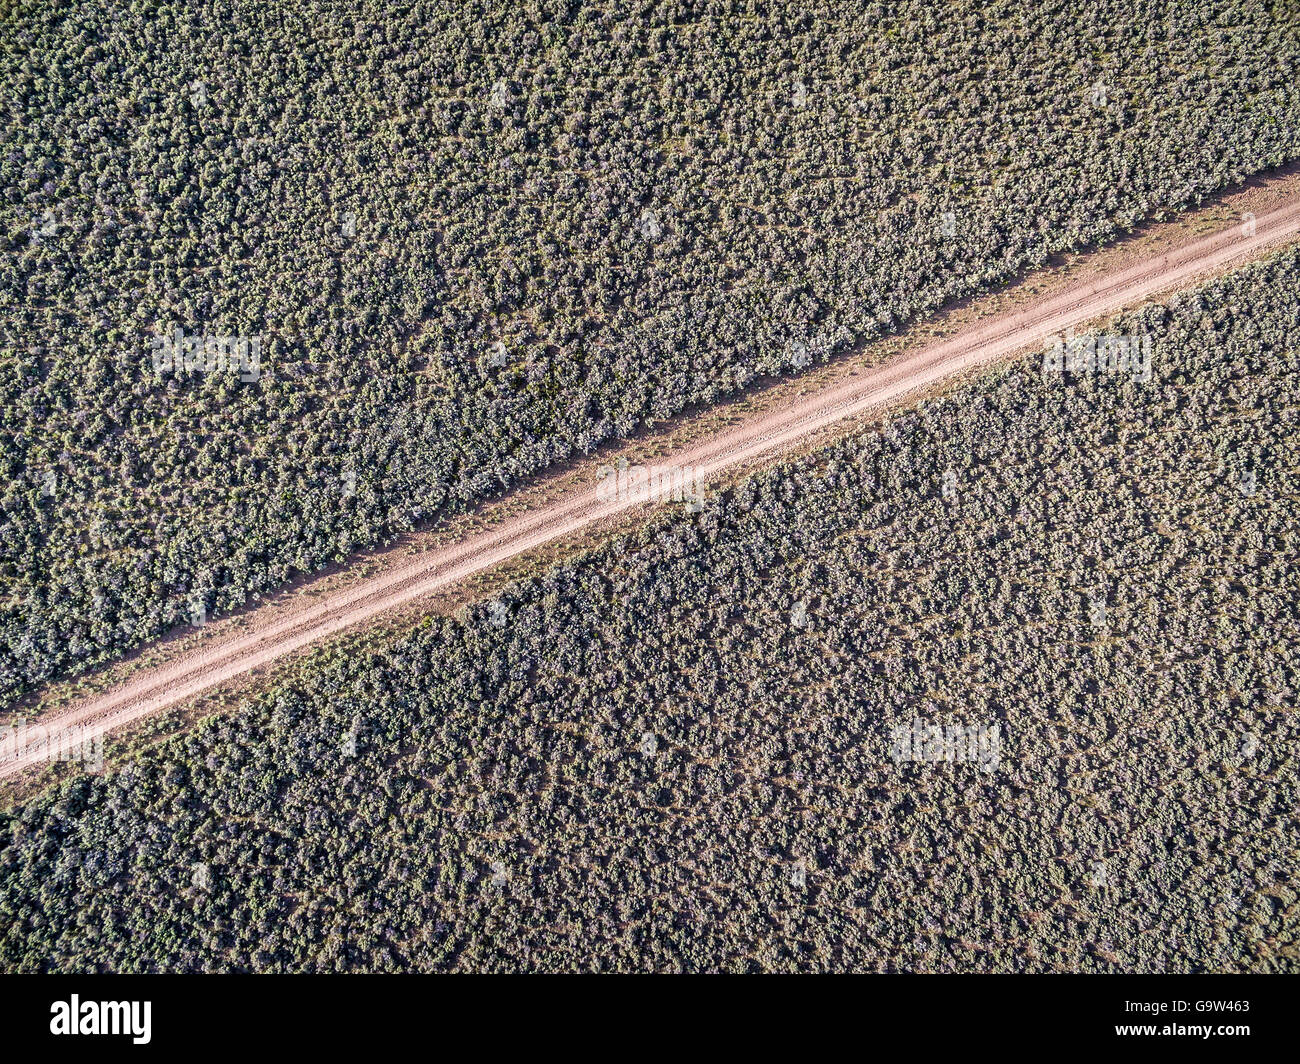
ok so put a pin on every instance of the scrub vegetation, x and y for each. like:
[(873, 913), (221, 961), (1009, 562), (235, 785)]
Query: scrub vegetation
[(681, 752)]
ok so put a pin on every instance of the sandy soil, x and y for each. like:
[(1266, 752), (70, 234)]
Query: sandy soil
[(578, 500)]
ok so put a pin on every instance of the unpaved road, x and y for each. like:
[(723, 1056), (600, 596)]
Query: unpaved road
[(269, 635)]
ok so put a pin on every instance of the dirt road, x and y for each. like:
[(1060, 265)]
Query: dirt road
[(269, 635)]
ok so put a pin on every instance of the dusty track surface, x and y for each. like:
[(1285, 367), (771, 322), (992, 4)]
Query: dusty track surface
[(267, 634)]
